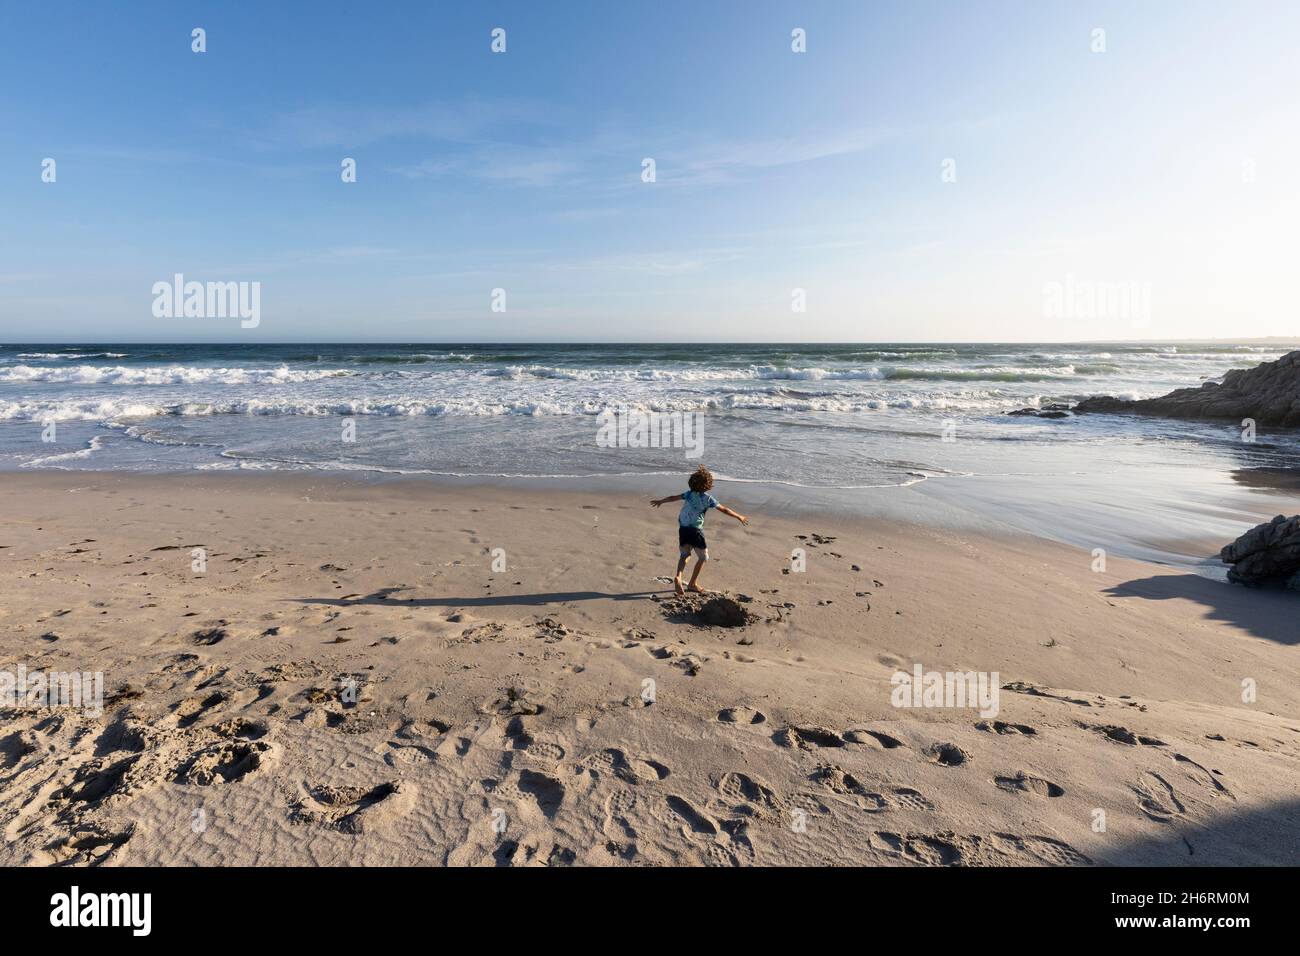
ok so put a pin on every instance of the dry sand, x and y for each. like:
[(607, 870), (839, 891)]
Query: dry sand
[(500, 717)]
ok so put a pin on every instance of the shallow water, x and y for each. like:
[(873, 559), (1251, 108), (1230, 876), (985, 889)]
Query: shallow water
[(914, 431)]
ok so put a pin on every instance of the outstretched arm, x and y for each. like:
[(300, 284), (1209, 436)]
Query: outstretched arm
[(656, 502), (735, 514)]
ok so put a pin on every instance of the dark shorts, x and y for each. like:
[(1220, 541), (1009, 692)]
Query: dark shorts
[(691, 538)]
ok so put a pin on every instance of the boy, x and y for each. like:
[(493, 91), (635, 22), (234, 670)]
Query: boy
[(690, 525)]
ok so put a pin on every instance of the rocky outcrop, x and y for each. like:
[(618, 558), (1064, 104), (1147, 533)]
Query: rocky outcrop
[(1050, 410), (1268, 393), (1267, 552)]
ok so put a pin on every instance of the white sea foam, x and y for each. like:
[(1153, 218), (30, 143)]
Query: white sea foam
[(165, 375), (791, 374), (67, 356), (75, 410), (94, 445), (110, 410)]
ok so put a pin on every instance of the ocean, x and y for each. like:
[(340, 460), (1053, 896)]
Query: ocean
[(902, 430)]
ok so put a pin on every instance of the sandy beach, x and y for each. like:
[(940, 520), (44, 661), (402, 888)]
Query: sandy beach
[(307, 670)]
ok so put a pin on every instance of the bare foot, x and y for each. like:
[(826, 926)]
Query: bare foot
[(677, 586), (696, 589)]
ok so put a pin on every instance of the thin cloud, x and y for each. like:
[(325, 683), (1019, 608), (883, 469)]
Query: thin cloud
[(320, 127)]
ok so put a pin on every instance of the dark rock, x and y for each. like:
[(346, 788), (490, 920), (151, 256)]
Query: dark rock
[(1267, 551), (1050, 410), (1268, 393)]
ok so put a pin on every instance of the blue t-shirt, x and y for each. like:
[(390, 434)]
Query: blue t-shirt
[(694, 505)]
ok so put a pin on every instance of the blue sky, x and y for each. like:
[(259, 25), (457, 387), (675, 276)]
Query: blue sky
[(1167, 162)]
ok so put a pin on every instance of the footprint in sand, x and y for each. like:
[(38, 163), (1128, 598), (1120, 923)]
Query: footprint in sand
[(88, 844), (408, 754), (628, 769), (532, 849), (15, 747), (1156, 798), (739, 847), (1022, 782), (1122, 735), (836, 778), (452, 745), (545, 792), (206, 637), (1194, 772), (118, 736), (860, 735), (1000, 727), (188, 711), (757, 796), (839, 780), (241, 727), (946, 754), (542, 751), (226, 762), (515, 702), (882, 841), (951, 849), (697, 821), (618, 810), (909, 799), (1021, 687), (356, 809), (439, 727), (932, 849), (807, 738), (809, 802), (741, 715), (93, 783), (355, 722), (123, 694), (1046, 849), (184, 663)]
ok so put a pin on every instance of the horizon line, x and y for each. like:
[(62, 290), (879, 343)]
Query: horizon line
[(1242, 340)]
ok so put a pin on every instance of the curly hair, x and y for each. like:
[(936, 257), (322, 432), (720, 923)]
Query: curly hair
[(701, 480)]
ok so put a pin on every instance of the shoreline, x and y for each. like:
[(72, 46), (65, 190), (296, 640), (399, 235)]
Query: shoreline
[(522, 691), (1211, 514), (901, 432)]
